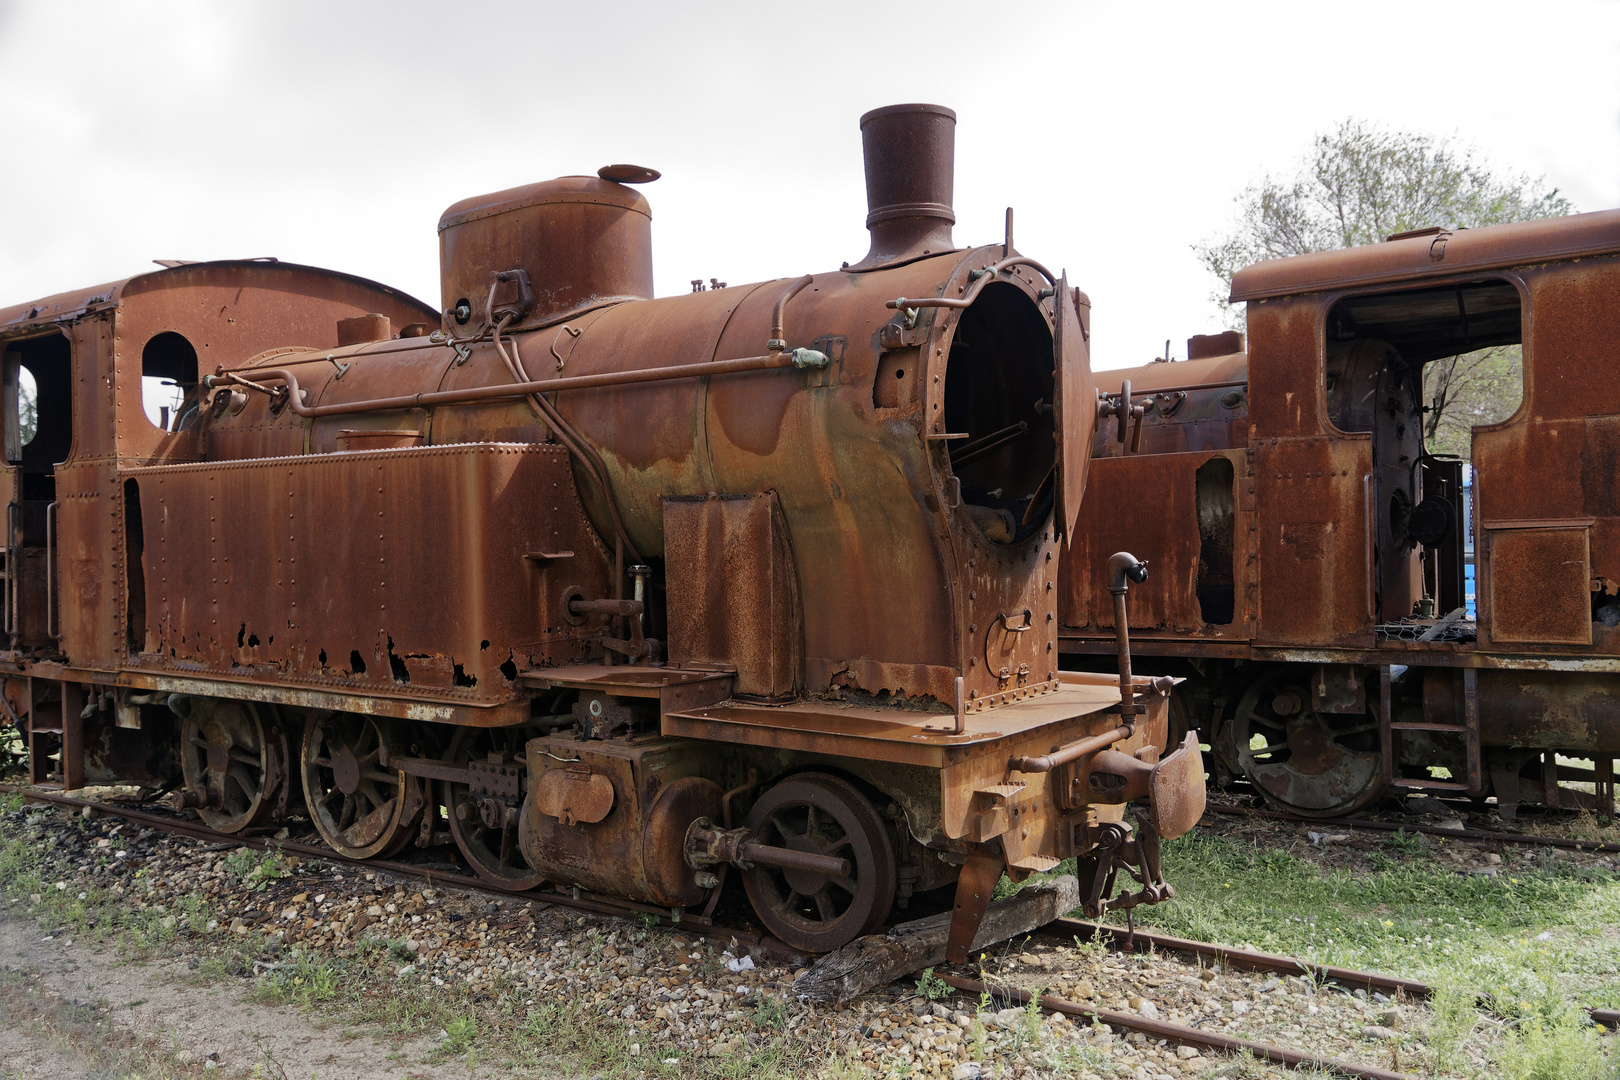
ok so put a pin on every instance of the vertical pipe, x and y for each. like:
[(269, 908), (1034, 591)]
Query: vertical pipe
[(1122, 640), (1124, 568)]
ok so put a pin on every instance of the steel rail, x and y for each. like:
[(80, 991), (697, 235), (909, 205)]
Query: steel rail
[(1246, 959), (1598, 846), (601, 905), (1251, 960), (1179, 1033)]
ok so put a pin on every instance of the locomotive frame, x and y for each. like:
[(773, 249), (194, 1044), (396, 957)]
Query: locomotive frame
[(616, 593), (1310, 551)]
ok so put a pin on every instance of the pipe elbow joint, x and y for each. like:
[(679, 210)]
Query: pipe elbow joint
[(1123, 568)]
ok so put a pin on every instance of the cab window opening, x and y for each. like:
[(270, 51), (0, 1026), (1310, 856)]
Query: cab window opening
[(169, 381), (21, 407), (1456, 347), (998, 391), (1419, 370)]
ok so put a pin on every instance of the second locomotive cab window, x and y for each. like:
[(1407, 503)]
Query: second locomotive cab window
[(1454, 350)]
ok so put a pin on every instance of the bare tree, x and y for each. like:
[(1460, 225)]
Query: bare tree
[(1361, 184)]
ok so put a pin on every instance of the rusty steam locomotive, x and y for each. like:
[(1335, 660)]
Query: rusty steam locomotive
[(621, 594), (1311, 552)]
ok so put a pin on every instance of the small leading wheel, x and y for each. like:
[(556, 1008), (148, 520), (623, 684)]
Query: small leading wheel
[(823, 815), (1307, 763), (234, 760), (485, 822), (359, 807)]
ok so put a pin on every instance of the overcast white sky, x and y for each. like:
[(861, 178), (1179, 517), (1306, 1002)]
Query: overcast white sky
[(335, 134)]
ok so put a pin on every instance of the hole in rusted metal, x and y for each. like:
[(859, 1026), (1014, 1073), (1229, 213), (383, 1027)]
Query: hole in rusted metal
[(253, 640), (482, 645), (322, 658), (397, 665), (461, 677), (1217, 525), (357, 663), (134, 568), (241, 635), (509, 669)]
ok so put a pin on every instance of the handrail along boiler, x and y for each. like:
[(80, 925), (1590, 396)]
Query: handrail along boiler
[(622, 594)]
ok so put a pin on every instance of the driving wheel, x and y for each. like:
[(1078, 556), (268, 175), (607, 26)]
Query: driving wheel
[(1308, 763), (822, 815), (361, 809), (485, 815), (233, 756)]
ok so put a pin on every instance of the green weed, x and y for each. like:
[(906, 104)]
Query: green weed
[(932, 987), (1567, 1049)]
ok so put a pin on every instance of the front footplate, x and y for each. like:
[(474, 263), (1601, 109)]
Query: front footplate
[(1088, 794)]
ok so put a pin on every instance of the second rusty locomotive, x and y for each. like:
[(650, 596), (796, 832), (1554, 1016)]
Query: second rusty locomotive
[(622, 594), (1317, 561)]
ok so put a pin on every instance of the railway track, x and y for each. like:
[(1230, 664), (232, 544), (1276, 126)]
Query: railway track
[(1179, 1033), (577, 899), (1519, 839), (1140, 940)]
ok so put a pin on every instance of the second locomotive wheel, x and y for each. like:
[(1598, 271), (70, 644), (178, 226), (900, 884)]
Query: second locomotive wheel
[(359, 808), (485, 821), (1307, 763), (234, 760), (821, 815)]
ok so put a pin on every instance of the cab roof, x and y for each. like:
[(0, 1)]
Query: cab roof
[(66, 306), (1431, 253)]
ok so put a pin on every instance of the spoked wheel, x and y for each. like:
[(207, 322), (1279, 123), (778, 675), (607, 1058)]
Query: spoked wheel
[(1308, 763), (360, 808), (233, 756), (484, 817), (822, 815)]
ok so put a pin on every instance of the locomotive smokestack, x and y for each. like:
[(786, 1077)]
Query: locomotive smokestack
[(910, 153)]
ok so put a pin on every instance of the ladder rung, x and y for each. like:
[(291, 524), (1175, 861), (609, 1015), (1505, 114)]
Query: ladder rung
[(1401, 726), (46, 730)]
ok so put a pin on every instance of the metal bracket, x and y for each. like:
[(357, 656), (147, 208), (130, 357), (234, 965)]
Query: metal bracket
[(904, 335)]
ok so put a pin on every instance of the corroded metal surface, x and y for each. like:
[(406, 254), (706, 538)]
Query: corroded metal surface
[(389, 570), (732, 593)]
